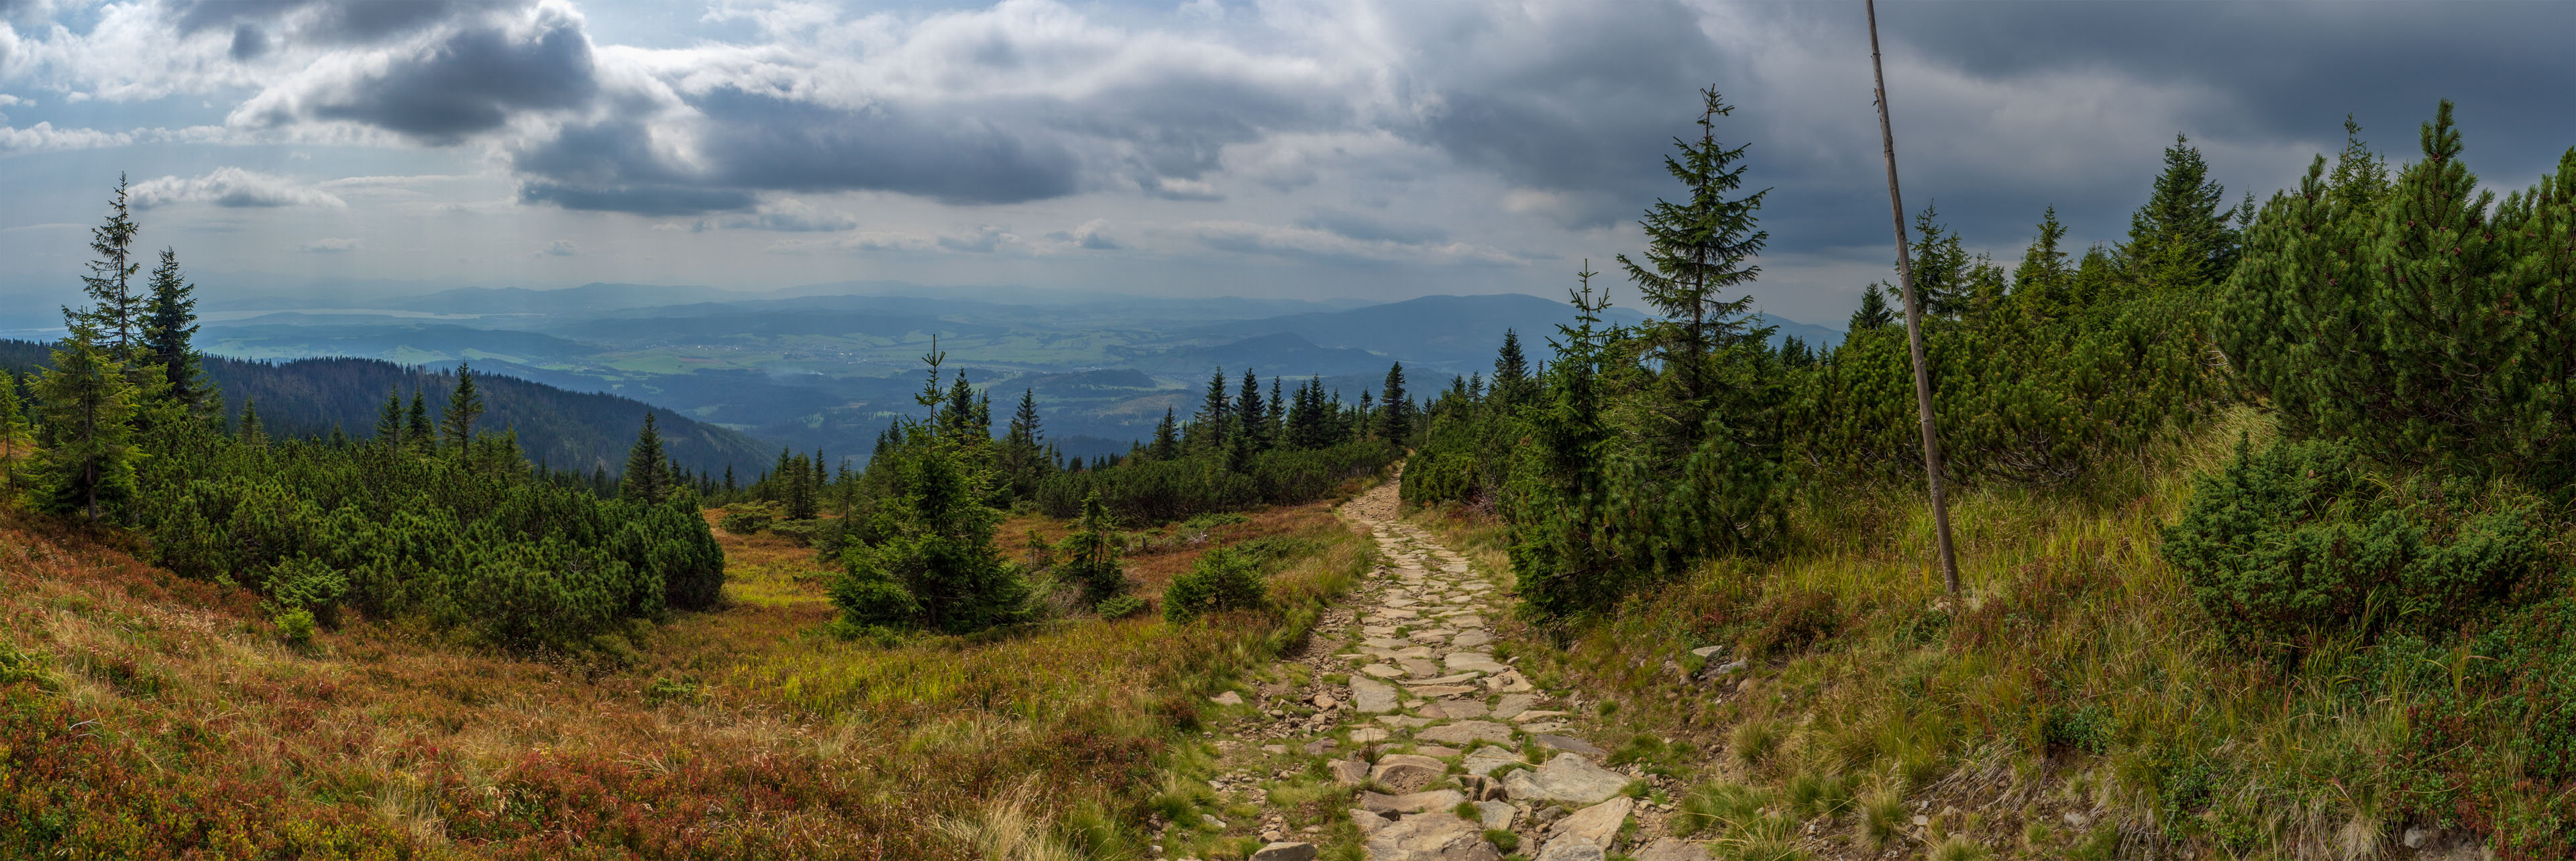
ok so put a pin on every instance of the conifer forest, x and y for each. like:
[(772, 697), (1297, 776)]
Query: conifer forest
[(2242, 528)]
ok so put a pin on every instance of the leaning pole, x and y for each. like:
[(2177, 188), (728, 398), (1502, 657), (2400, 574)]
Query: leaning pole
[(1913, 322)]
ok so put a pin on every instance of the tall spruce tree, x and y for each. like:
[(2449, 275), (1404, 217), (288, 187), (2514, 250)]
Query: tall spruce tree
[(1561, 559), (169, 332), (1249, 407), (88, 405), (464, 405), (1167, 437), (1207, 429), (1511, 370), (648, 466), (116, 311), (2181, 238), (389, 419), (16, 436), (1274, 424), (253, 433), (417, 431), (1698, 249), (1397, 422)]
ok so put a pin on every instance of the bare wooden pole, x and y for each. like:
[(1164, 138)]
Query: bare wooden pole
[(1913, 321)]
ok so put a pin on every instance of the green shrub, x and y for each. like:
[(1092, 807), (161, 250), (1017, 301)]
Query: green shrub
[(2305, 536), (665, 690), (746, 520), (295, 626), (1221, 580), (798, 532), (1120, 607), (19, 666)]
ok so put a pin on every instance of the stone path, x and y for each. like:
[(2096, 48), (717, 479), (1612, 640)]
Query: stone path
[(1443, 750)]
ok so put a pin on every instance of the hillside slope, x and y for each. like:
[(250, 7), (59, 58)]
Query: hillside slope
[(562, 429)]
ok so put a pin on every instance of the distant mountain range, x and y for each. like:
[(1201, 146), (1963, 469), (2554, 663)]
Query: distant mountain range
[(562, 429), (828, 366)]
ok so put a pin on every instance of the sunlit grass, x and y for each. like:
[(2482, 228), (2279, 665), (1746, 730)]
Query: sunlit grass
[(172, 718)]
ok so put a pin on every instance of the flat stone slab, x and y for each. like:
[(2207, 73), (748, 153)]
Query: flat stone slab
[(1509, 682), (1484, 761), (1420, 668), (1567, 744), (1415, 802), (1536, 715), (1461, 708), (1370, 697), (1440, 690), (1451, 679), (1599, 822), (1573, 849), (1383, 671), (1229, 698), (1471, 639), (1367, 734), (1423, 652), (1436, 836), (1669, 849), (1544, 727), (1472, 661), (1286, 852), (1406, 721), (1567, 779), (1463, 732), (1406, 772), (1387, 643), (1513, 705)]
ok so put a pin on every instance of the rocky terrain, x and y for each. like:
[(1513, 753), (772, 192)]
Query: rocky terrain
[(1402, 703)]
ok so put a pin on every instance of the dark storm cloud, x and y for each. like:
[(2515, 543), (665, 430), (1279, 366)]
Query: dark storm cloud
[(335, 22), (766, 142), (471, 81), (1585, 109), (757, 142)]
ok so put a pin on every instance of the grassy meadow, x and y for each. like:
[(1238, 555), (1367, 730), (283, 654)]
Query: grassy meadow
[(144, 715), (2076, 704)]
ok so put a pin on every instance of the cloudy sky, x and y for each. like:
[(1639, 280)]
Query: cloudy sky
[(1325, 148)]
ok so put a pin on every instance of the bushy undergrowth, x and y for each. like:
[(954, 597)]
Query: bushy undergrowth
[(1156, 491), (462, 537), (2083, 674), (2303, 539)]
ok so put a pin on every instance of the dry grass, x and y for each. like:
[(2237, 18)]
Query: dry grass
[(164, 720)]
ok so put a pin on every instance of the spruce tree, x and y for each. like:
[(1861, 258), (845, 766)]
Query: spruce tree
[(1561, 559), (2043, 281), (87, 404), (169, 330), (464, 405), (16, 436), (1874, 311), (2181, 238), (116, 313), (253, 433), (1167, 437), (1697, 250), (417, 432), (1248, 405), (648, 466), (1511, 369), (1274, 423), (389, 419), (1398, 422), (1944, 272), (1207, 429)]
